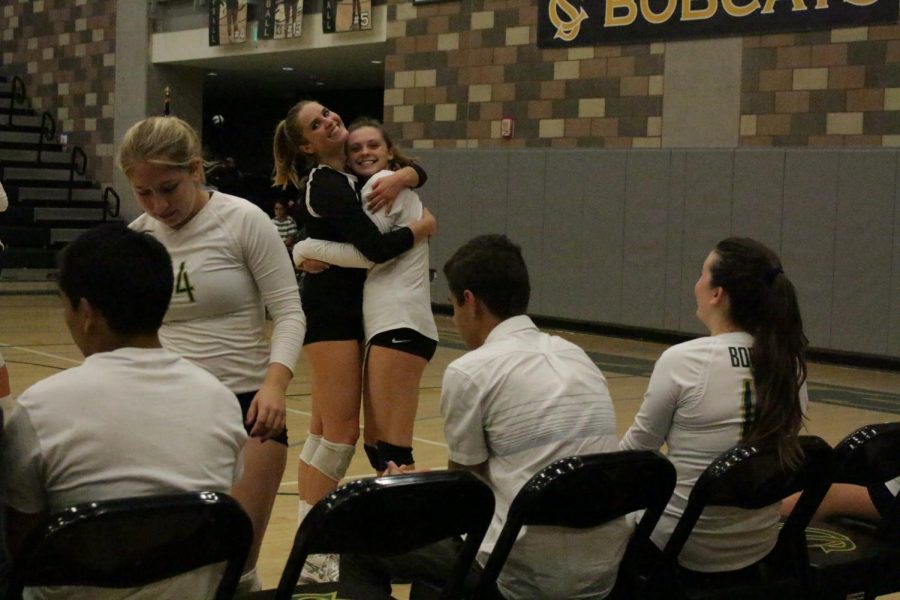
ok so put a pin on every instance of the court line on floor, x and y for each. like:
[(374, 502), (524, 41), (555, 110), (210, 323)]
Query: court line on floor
[(39, 353)]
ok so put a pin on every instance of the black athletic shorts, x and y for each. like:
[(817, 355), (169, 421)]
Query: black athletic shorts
[(245, 400), (406, 340), (332, 301)]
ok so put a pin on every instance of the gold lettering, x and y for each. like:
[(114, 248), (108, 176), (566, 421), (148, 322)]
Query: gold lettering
[(620, 21), (657, 18), (796, 5), (740, 11), (858, 2), (689, 14), (566, 30)]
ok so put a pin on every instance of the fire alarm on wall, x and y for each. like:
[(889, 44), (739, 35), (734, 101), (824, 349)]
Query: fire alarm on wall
[(506, 127)]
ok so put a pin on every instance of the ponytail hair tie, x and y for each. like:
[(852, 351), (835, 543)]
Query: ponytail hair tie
[(773, 273)]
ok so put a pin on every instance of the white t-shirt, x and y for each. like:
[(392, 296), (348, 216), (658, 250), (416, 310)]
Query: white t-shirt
[(230, 265), (397, 293), (699, 397), (519, 402), (131, 422)]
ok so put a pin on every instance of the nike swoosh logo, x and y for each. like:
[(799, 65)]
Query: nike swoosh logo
[(396, 341)]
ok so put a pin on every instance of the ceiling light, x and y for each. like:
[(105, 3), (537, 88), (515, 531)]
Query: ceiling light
[(320, 83), (376, 62), (212, 74), (287, 68)]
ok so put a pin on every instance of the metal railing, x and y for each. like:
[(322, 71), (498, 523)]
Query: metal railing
[(17, 83), (46, 132), (74, 169), (114, 211)]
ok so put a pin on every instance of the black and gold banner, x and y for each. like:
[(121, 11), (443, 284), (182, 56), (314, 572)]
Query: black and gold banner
[(227, 22), (346, 15), (281, 19), (564, 23)]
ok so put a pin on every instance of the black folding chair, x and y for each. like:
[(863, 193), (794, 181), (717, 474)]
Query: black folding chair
[(582, 492), (392, 515), (134, 542), (852, 558), (747, 477)]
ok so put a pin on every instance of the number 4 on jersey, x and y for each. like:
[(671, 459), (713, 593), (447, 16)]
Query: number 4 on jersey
[(183, 283)]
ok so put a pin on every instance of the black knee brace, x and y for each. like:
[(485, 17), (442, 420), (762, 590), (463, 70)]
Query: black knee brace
[(372, 453), (399, 455)]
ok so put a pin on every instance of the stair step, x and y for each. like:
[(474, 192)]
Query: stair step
[(47, 146), (20, 121), (48, 213), (29, 258), (39, 173), (22, 236), (31, 164), (30, 155), (31, 194), (29, 135), (25, 112), (63, 235)]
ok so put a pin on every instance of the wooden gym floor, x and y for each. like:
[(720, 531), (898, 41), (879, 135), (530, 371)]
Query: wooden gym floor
[(36, 344)]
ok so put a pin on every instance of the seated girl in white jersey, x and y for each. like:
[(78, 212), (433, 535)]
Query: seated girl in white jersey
[(400, 332), (745, 382)]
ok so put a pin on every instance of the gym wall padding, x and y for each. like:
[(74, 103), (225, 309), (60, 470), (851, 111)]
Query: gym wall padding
[(618, 236)]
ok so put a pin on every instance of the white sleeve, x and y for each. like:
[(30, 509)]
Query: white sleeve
[(333, 253), (268, 261), (461, 407), (4, 200), (654, 418), (22, 483)]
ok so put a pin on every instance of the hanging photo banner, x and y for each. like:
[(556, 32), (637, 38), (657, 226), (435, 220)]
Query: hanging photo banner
[(281, 19), (564, 23), (346, 15), (227, 22)]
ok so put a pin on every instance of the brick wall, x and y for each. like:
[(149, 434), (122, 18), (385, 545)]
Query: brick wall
[(64, 50), (455, 69), (830, 88)]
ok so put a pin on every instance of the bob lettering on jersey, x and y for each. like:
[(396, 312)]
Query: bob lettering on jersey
[(740, 356)]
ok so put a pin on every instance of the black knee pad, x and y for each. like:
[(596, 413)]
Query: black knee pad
[(399, 455), (372, 453)]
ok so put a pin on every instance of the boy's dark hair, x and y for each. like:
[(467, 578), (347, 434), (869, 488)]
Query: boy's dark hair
[(124, 274), (492, 268)]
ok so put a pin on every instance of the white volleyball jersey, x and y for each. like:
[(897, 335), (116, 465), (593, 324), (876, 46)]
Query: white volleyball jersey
[(699, 399), (230, 266)]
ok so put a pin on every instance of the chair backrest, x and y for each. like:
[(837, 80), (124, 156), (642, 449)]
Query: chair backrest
[(585, 491), (748, 476), (133, 542), (870, 456), (393, 515)]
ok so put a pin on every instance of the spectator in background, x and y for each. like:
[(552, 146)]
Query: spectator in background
[(286, 225)]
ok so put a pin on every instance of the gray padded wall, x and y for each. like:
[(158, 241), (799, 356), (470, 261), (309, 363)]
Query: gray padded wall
[(618, 236), (644, 249), (863, 251), (808, 224)]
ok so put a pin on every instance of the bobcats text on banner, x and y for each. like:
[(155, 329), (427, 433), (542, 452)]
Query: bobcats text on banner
[(563, 23)]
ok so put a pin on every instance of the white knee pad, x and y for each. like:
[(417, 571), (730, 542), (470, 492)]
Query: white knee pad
[(309, 448), (332, 459)]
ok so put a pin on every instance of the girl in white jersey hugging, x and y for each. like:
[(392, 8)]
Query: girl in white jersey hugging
[(333, 298), (401, 335), (745, 382)]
